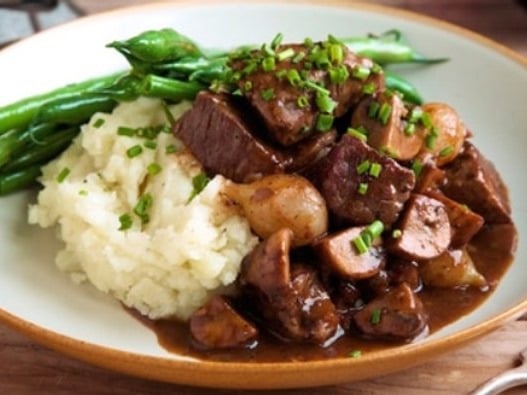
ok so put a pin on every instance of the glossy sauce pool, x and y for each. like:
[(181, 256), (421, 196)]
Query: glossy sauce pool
[(492, 251)]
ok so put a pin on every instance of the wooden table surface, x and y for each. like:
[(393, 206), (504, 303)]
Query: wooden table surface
[(28, 368)]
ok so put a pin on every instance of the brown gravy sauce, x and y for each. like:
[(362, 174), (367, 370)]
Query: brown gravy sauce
[(492, 251)]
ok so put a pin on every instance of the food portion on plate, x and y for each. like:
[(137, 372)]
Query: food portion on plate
[(280, 202)]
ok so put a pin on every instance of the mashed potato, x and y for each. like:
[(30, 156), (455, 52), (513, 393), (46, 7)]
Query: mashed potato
[(166, 258)]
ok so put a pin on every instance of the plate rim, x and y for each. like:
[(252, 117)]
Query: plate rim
[(251, 375)]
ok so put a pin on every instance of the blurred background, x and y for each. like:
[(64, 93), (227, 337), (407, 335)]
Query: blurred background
[(504, 21)]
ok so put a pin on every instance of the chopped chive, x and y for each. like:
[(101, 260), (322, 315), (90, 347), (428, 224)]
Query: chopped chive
[(98, 123), (446, 151), (308, 65), (339, 74), (376, 316), (357, 133), (374, 229), (65, 172), (126, 131), (336, 53), (426, 119), (294, 77), (384, 113), (376, 69), (373, 109), (268, 50), (250, 68), (237, 92), (415, 115), (134, 151), (375, 170), (363, 167), (268, 64), (308, 42), (285, 54), (360, 245), (168, 114), (199, 182), (430, 141), (368, 89), (83, 192), (302, 101), (409, 130), (150, 144), (397, 233), (363, 188), (355, 354), (325, 103), (277, 40), (126, 222), (171, 148), (324, 122), (268, 94), (316, 87), (247, 86), (298, 57), (417, 167), (153, 169), (360, 72), (142, 206)]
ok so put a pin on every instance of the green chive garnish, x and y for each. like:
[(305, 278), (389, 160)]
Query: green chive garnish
[(361, 72), (294, 77), (143, 205), (65, 172), (409, 130), (355, 354), (277, 40), (357, 133), (397, 233), (363, 167), (302, 101), (150, 144), (125, 131), (360, 245), (268, 64), (375, 170), (376, 316), (363, 188), (199, 183), (325, 103), (324, 122), (98, 123), (368, 89), (373, 109), (417, 167), (446, 151), (153, 169), (134, 151), (384, 113), (126, 222), (336, 53), (171, 148), (285, 54), (268, 94)]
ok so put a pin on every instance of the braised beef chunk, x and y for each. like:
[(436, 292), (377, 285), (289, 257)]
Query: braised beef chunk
[(307, 152), (218, 325), (361, 185), (396, 315), (291, 301), (347, 300), (382, 116), (220, 136), (473, 180), (423, 231), (402, 271), (464, 222), (317, 315), (287, 105), (430, 178), (338, 254)]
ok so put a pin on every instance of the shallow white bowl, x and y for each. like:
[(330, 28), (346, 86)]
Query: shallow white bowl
[(483, 81)]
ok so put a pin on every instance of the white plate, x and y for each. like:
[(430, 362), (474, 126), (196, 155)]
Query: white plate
[(484, 82)]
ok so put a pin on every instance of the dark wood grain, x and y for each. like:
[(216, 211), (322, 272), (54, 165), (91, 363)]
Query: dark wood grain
[(28, 368)]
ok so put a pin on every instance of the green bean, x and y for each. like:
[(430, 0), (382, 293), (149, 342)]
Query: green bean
[(49, 149), (74, 110), (17, 180), (397, 83), (155, 46), (165, 88), (387, 48), (13, 142), (20, 114), (194, 69)]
